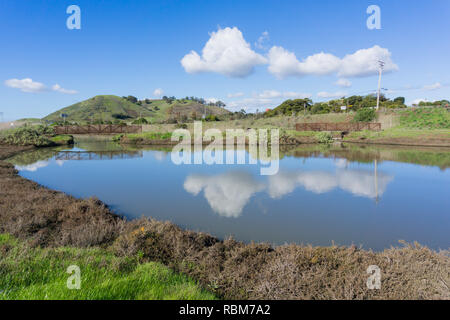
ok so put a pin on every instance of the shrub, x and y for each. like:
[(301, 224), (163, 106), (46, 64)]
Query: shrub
[(364, 115), (23, 136), (324, 137), (140, 121)]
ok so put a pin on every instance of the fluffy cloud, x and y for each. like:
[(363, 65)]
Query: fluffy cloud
[(342, 82), (26, 85), (158, 92), (58, 88), (283, 63), (226, 52), (331, 95), (433, 86)]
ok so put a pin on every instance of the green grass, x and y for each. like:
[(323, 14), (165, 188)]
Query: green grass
[(427, 118), (36, 273), (399, 132)]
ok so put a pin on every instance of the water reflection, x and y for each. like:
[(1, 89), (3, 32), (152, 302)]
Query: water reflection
[(228, 193), (321, 193)]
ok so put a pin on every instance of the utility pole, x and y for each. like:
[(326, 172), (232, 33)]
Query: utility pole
[(380, 71)]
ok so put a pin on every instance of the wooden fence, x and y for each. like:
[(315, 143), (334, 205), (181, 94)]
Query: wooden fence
[(339, 126), (97, 129)]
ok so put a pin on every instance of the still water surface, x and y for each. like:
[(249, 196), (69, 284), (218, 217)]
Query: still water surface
[(369, 196)]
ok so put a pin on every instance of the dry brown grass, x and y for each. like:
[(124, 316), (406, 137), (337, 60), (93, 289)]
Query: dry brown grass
[(50, 218), (231, 269), (257, 271)]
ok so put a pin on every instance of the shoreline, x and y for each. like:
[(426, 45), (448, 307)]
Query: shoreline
[(229, 268)]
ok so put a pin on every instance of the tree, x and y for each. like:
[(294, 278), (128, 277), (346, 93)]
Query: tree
[(399, 100)]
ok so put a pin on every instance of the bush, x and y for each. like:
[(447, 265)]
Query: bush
[(140, 121), (365, 115), (324, 137), (181, 126), (23, 136)]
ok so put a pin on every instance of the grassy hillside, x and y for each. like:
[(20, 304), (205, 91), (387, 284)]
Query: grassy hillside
[(114, 108), (105, 108)]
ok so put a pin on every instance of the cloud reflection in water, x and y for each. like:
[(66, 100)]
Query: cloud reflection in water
[(228, 193)]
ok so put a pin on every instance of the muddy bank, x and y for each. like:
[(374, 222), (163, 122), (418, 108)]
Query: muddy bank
[(229, 268)]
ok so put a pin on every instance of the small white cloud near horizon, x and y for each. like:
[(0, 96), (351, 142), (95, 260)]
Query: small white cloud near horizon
[(417, 101), (226, 52), (235, 95), (272, 94), (30, 86), (342, 82), (361, 63), (158, 92), (433, 86), (26, 85), (338, 94), (58, 88), (211, 100)]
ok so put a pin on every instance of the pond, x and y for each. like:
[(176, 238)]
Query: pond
[(369, 196)]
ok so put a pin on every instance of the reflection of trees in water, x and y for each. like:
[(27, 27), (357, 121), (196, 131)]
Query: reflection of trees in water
[(367, 154), (30, 157), (97, 155)]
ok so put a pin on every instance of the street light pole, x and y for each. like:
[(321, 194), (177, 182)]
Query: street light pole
[(380, 71)]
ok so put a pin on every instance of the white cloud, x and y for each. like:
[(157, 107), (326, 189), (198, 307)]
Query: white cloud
[(433, 86), (417, 101), (338, 94), (158, 92), (269, 94), (58, 88), (342, 82), (364, 62), (227, 53), (264, 100), (251, 104), (283, 63), (211, 100), (272, 94), (26, 85), (235, 95), (261, 40), (296, 95)]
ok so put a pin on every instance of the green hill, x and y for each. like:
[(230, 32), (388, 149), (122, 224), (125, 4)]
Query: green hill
[(113, 108)]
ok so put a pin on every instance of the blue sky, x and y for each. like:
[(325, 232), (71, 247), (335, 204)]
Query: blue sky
[(135, 47)]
